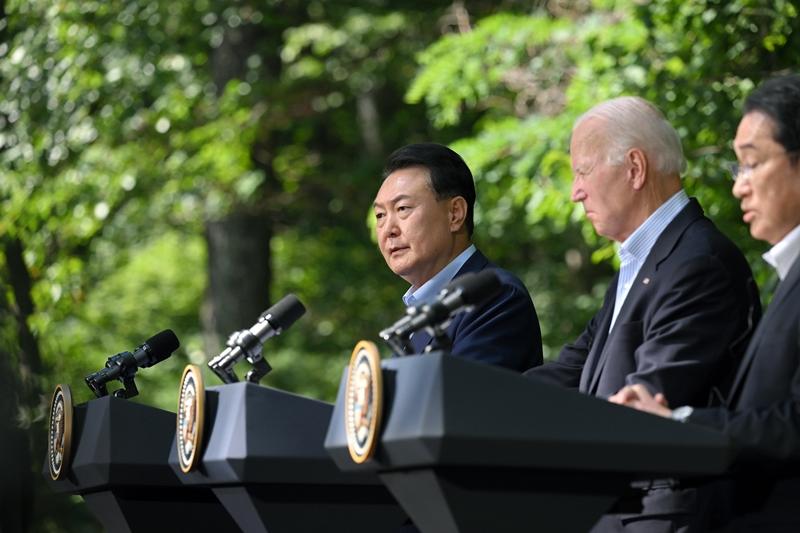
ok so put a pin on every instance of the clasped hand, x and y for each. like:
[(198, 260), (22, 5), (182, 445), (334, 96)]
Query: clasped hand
[(638, 397)]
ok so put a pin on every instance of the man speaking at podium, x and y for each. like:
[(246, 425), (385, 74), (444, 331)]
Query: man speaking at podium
[(424, 225), (762, 415), (678, 315)]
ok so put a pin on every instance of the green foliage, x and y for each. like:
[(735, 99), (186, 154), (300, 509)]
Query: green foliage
[(529, 77), (486, 68), (161, 284), (124, 129)]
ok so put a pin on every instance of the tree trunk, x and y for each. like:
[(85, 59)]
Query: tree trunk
[(239, 275), (369, 124), (20, 364), (30, 360), (238, 244), (16, 480)]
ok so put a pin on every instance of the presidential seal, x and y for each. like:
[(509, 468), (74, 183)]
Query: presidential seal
[(363, 401), (191, 412), (60, 432)]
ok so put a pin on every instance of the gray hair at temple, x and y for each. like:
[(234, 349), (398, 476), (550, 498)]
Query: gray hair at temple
[(633, 122)]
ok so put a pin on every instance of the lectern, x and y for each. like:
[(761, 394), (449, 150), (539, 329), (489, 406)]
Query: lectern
[(119, 466), (470, 448), (264, 459)]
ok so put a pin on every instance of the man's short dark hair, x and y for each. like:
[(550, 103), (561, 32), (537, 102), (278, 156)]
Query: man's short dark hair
[(779, 99), (449, 174)]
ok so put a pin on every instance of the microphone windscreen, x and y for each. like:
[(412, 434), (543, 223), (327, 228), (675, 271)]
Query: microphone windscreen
[(285, 312), (162, 345), (478, 287)]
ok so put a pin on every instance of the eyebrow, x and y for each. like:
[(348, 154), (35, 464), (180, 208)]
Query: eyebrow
[(394, 200), (584, 168), (744, 146)]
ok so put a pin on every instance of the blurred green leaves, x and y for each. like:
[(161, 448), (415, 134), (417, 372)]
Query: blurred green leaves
[(528, 77), (116, 139), (120, 138)]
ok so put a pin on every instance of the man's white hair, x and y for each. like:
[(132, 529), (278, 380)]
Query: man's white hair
[(633, 122)]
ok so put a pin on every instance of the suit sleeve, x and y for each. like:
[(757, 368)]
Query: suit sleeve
[(765, 427), (504, 332), (766, 436), (567, 368), (688, 337)]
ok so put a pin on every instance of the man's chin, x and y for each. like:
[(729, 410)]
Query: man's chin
[(760, 233), (593, 221), (405, 274), (399, 268), (600, 231)]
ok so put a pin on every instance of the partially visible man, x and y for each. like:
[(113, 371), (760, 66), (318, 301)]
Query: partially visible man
[(678, 315), (424, 211), (762, 415)]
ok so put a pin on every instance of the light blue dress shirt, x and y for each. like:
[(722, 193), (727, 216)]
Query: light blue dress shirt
[(431, 288), (634, 251)]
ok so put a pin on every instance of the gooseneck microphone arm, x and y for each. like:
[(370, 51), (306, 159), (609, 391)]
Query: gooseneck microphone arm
[(123, 366), (441, 341), (247, 343), (399, 344), (462, 294)]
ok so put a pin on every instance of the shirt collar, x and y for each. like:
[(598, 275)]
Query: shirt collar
[(433, 286), (638, 245), (783, 255)]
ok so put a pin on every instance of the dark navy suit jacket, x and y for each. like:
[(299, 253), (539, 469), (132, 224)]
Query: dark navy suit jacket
[(684, 325), (504, 331), (681, 331)]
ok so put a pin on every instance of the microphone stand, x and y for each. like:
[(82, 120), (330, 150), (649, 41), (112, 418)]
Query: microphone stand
[(260, 369), (401, 345), (398, 344), (241, 345), (128, 368), (460, 295), (441, 341), (130, 390)]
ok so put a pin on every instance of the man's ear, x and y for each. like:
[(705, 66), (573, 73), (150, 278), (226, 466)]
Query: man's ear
[(458, 213), (637, 167)]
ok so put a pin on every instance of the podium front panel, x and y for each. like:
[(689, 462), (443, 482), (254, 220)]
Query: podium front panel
[(120, 467), (463, 442)]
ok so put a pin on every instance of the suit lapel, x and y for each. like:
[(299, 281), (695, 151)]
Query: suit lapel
[(476, 262), (595, 360), (646, 278), (781, 293), (419, 340), (785, 286), (602, 354)]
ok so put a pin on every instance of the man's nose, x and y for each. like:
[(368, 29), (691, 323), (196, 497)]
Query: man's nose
[(390, 227), (578, 194), (741, 187)]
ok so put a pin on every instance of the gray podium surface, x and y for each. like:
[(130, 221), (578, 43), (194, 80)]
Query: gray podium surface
[(467, 447), (120, 452), (264, 458)]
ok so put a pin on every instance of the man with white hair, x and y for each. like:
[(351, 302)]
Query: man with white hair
[(677, 317), (762, 414)]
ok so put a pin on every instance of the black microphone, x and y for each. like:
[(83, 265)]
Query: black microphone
[(123, 366), (248, 343), (462, 294), (282, 315)]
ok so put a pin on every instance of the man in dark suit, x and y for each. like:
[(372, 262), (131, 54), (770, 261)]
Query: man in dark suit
[(678, 315), (762, 414), (424, 223)]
